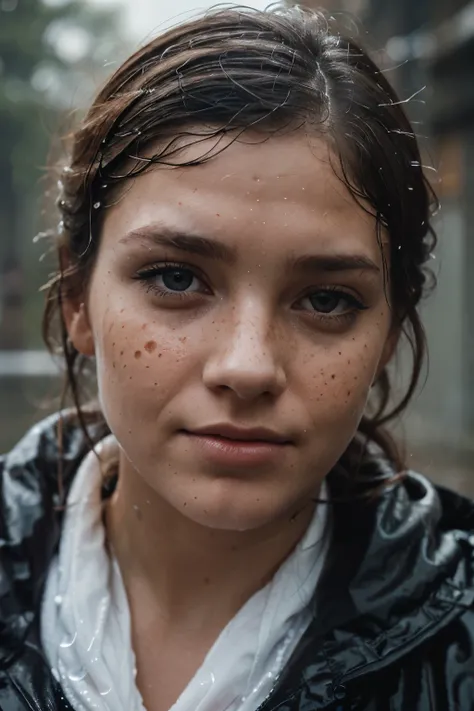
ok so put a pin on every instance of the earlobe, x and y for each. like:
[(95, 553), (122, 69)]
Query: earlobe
[(78, 327)]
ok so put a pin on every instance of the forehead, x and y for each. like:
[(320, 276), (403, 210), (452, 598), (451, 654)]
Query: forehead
[(279, 193)]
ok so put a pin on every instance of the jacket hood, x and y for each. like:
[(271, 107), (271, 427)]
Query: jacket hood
[(399, 567)]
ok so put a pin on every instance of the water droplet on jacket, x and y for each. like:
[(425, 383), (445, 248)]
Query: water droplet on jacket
[(77, 676), (96, 205), (56, 674), (58, 599), (68, 641), (340, 692), (107, 691)]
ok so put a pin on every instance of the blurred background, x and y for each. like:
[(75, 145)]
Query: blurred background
[(54, 54)]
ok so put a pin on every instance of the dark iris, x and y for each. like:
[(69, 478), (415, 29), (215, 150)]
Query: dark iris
[(177, 279), (325, 301)]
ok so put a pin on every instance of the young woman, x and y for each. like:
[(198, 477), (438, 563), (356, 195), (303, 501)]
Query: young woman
[(244, 239)]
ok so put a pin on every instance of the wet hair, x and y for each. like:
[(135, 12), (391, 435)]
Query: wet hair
[(234, 71)]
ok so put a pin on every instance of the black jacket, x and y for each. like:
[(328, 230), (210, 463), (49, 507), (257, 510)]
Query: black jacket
[(393, 626)]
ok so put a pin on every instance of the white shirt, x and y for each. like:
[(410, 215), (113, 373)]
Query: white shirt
[(86, 628)]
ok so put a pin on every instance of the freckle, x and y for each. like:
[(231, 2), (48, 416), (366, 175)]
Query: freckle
[(113, 364), (206, 581), (185, 503), (143, 326), (195, 498), (123, 325), (217, 214), (183, 339), (159, 355), (349, 393), (125, 365), (155, 383), (333, 376), (113, 344), (340, 353), (121, 352), (138, 354), (150, 346), (147, 367), (122, 310), (180, 203)]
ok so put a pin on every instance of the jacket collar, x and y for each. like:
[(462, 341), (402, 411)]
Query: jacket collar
[(398, 571)]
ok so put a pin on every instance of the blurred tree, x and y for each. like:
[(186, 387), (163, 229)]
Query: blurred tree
[(52, 54)]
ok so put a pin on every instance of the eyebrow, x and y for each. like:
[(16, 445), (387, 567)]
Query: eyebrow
[(201, 246), (184, 242)]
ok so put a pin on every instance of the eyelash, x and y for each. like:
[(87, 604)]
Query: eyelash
[(147, 275)]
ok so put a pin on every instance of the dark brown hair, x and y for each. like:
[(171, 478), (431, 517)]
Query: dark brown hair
[(232, 71)]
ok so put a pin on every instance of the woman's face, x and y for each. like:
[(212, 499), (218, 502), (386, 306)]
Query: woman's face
[(238, 316)]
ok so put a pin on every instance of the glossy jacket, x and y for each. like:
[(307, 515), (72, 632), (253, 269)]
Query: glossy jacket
[(393, 625)]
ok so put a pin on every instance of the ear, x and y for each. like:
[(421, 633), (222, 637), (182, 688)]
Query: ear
[(78, 326)]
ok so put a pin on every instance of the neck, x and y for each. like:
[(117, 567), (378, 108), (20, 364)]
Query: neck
[(186, 570)]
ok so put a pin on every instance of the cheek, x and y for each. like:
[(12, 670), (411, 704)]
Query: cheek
[(339, 381), (139, 364)]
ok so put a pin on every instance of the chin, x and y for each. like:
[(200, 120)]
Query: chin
[(238, 513)]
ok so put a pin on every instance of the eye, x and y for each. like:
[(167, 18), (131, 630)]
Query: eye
[(172, 280), (176, 278), (331, 302)]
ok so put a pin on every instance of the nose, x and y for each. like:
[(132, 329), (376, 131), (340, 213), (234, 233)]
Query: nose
[(244, 358)]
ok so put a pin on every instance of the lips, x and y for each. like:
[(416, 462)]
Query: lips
[(239, 434), (231, 448)]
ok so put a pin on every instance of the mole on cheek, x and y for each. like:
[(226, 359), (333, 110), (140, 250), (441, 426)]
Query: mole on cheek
[(150, 346)]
